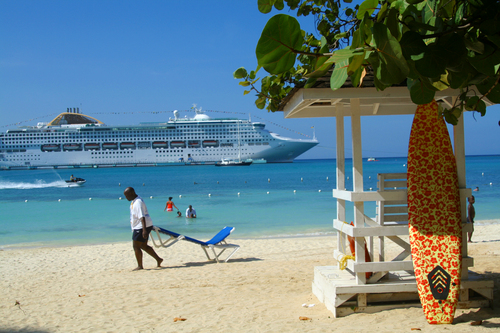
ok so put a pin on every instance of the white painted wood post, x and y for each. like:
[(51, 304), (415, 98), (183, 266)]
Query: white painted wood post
[(357, 172), (459, 146), (339, 119)]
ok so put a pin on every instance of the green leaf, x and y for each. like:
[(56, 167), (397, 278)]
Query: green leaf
[(419, 93), (339, 75), (381, 12), (343, 54), (433, 63), (450, 116), (481, 108), (367, 6), (278, 44), (240, 73), (412, 44), (356, 77), (490, 87), (265, 6), (487, 62), (455, 51), (475, 46), (244, 83), (400, 5), (393, 68), (356, 63), (490, 27), (279, 4), (392, 22), (261, 102), (321, 68), (246, 92), (442, 83), (310, 82), (457, 80), (471, 103)]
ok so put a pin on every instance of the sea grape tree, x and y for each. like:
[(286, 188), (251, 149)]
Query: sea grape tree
[(429, 45)]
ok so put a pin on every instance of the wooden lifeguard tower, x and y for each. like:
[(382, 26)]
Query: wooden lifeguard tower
[(392, 284)]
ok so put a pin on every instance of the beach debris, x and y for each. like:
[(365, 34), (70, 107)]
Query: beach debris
[(176, 319), (18, 304), (304, 318), (81, 295), (415, 329), (308, 306), (476, 323)]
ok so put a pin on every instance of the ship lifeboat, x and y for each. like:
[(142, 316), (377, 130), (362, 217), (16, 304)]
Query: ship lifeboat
[(160, 144), (72, 146), (178, 144), (92, 146), (127, 145), (194, 144), (210, 143), (109, 145), (51, 147)]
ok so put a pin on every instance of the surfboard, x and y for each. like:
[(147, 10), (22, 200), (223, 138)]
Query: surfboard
[(434, 215)]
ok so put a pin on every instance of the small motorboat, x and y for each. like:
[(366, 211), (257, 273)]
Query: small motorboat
[(228, 162), (75, 182)]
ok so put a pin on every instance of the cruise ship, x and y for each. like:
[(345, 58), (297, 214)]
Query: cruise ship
[(73, 139)]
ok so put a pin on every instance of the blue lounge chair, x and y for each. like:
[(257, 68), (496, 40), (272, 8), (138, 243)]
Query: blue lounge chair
[(218, 242)]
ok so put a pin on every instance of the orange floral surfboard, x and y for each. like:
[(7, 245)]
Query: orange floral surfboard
[(434, 215)]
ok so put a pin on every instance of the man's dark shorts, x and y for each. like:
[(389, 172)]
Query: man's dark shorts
[(137, 234)]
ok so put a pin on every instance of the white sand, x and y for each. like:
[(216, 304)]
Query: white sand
[(262, 289)]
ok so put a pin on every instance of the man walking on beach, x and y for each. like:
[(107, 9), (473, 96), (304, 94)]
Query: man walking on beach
[(141, 225)]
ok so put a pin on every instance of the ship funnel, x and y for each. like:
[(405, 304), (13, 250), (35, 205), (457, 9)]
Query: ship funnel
[(68, 110), (176, 114)]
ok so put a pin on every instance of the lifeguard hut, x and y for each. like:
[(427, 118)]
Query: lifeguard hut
[(392, 283)]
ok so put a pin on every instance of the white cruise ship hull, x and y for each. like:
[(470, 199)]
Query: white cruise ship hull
[(200, 140)]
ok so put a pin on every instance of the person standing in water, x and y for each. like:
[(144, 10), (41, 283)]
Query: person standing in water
[(190, 212), (141, 225), (169, 206), (471, 214)]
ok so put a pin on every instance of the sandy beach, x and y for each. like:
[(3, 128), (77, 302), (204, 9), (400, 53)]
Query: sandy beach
[(262, 289)]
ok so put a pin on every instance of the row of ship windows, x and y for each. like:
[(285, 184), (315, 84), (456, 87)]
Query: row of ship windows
[(128, 134), (61, 140)]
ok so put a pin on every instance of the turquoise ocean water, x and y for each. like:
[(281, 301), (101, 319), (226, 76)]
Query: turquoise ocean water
[(261, 200)]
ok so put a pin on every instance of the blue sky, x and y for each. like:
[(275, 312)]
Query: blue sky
[(121, 61)]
